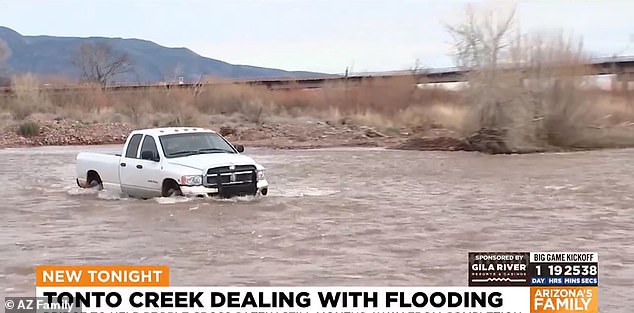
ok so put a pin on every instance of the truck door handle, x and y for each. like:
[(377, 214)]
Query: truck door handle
[(139, 166), (122, 164)]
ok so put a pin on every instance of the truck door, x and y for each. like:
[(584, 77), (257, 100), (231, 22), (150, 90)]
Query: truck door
[(126, 166), (148, 166), (140, 178)]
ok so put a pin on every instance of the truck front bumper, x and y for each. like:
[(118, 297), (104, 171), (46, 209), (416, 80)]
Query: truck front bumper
[(203, 191)]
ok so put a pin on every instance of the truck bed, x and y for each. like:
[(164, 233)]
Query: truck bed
[(107, 165)]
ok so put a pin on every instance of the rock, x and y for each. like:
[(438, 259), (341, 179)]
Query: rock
[(228, 130), (491, 141), (431, 144), (371, 133)]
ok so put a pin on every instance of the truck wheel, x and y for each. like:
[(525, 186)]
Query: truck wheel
[(171, 188), (94, 181)]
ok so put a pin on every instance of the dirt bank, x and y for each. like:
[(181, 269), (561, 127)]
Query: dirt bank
[(284, 134), (274, 135), (65, 132), (302, 134)]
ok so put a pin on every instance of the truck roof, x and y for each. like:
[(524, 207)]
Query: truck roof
[(171, 130)]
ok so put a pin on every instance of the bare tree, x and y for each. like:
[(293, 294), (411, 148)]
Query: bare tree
[(481, 42), (523, 90), (5, 52), (100, 63), (481, 38)]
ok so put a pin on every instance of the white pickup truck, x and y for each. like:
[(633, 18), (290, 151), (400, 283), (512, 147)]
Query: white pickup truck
[(163, 162)]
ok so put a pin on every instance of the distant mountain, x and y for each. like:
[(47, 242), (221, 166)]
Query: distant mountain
[(50, 55)]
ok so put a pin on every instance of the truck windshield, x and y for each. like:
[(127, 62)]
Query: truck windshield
[(178, 145)]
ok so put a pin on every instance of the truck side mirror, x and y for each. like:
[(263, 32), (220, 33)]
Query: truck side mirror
[(240, 148), (149, 155)]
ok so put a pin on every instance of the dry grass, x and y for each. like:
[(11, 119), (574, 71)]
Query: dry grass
[(28, 97), (563, 112), (379, 102)]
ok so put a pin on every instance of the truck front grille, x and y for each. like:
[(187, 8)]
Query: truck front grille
[(227, 169), (236, 181)]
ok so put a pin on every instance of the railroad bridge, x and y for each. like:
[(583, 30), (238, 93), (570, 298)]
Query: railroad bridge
[(622, 67)]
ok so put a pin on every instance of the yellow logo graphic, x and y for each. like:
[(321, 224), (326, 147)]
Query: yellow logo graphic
[(564, 300)]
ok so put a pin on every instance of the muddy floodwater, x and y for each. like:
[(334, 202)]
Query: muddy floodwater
[(332, 217)]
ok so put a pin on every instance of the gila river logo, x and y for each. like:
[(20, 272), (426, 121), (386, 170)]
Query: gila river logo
[(498, 269)]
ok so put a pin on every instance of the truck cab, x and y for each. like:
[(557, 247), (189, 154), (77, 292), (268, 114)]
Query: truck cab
[(174, 161)]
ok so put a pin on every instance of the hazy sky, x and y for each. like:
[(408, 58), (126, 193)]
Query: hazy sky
[(325, 36)]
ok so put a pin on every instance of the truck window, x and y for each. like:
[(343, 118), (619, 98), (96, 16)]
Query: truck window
[(149, 145), (178, 145), (133, 146)]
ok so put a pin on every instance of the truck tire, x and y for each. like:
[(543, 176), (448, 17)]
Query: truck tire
[(171, 188), (93, 180)]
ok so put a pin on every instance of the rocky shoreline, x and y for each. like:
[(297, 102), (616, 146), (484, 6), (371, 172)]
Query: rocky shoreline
[(66, 133), (304, 135), (274, 135)]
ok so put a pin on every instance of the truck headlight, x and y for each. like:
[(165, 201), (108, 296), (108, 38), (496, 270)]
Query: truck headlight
[(261, 175), (191, 180)]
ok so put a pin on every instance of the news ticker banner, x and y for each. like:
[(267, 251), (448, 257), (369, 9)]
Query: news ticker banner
[(509, 282), (287, 299)]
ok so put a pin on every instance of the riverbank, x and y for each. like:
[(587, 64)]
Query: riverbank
[(310, 134), (64, 133), (394, 113), (307, 134), (297, 134)]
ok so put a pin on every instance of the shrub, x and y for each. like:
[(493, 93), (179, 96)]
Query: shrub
[(28, 129), (28, 98), (252, 110)]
